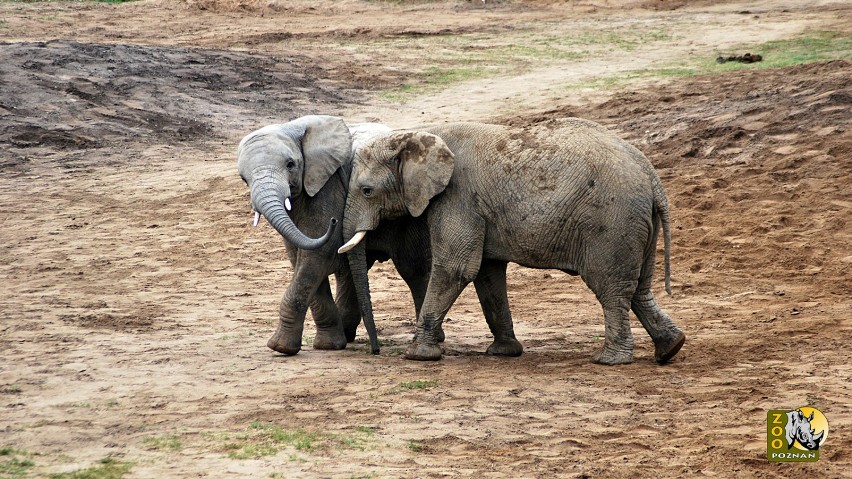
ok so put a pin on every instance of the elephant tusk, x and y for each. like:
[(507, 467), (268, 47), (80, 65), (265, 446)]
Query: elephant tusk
[(256, 218), (287, 204), (353, 242)]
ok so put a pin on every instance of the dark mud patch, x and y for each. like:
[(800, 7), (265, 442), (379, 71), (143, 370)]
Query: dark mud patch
[(66, 95)]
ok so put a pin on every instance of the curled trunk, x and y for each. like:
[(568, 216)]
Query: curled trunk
[(270, 203)]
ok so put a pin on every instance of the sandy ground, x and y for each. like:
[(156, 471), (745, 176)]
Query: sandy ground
[(136, 299)]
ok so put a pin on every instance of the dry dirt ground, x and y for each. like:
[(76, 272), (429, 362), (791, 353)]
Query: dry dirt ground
[(136, 299)]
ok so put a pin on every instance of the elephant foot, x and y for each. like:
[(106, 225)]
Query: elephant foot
[(611, 357), (285, 344), (350, 333), (330, 340), (423, 352), (668, 346), (505, 347)]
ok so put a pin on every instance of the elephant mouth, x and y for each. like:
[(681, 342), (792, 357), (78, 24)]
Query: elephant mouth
[(357, 238)]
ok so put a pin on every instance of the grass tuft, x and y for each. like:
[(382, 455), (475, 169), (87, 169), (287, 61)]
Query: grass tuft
[(819, 46), (107, 468), (162, 443), (14, 463), (267, 439), (419, 384)]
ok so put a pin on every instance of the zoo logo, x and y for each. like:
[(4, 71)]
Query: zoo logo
[(795, 436)]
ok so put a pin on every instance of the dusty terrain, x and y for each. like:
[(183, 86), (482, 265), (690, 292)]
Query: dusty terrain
[(136, 299)]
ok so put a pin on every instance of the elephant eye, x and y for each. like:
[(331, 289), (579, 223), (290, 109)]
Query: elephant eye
[(291, 164), (367, 191)]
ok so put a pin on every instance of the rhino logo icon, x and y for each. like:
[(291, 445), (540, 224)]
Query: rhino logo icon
[(795, 435), (799, 429)]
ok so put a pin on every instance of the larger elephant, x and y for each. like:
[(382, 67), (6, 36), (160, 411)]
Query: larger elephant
[(298, 173), (564, 195)]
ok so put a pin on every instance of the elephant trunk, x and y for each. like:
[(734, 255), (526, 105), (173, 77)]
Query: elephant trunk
[(356, 253), (270, 202), (358, 265)]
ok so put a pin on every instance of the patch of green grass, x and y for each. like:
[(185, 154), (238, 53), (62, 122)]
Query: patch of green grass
[(820, 46), (419, 384), (107, 468), (415, 446), (12, 388), (249, 450), (464, 57), (266, 439), (169, 442), (112, 403), (434, 79), (776, 54), (14, 463)]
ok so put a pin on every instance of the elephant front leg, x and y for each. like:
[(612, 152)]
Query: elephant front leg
[(441, 294), (327, 319), (417, 280), (294, 305), (490, 287)]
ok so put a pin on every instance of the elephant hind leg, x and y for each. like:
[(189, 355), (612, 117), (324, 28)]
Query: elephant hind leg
[(490, 287), (618, 339), (327, 318), (668, 338)]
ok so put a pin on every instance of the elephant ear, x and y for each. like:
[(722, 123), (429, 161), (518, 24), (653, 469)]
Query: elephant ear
[(426, 165), (326, 146)]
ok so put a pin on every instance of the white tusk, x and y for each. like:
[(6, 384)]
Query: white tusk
[(353, 242), (287, 204), (256, 218)]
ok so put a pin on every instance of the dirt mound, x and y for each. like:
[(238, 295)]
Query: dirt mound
[(757, 165), (69, 95)]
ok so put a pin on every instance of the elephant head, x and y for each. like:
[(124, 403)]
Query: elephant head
[(394, 175), (281, 162)]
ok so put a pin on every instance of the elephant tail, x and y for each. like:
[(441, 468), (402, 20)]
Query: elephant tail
[(661, 205)]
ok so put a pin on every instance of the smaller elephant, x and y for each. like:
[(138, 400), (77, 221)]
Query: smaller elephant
[(297, 174), (564, 195)]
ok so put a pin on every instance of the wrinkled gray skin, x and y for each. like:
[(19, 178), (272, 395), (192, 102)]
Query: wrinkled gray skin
[(567, 195), (308, 161)]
